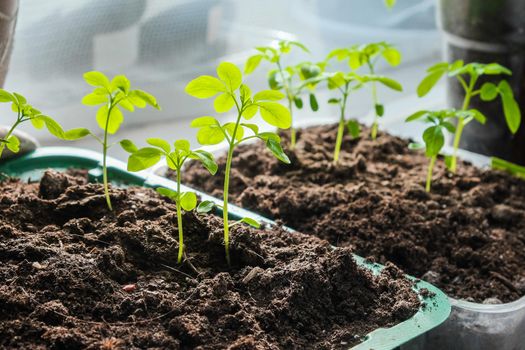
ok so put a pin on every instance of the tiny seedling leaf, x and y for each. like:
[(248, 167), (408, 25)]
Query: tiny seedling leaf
[(353, 128), (205, 207), (275, 114), (313, 103), (276, 149), (252, 222), (230, 75), (160, 143), (205, 86), (188, 201), (128, 146)]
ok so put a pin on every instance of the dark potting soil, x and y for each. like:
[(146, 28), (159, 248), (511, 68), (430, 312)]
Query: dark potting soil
[(74, 275), (467, 236)]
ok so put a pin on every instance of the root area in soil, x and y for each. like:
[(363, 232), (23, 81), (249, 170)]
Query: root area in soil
[(467, 236), (74, 275)]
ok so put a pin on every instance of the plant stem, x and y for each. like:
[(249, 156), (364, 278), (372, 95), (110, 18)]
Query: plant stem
[(375, 124), (225, 203), (461, 124), (429, 172), (3, 144), (179, 219), (341, 128), (104, 156), (290, 101)]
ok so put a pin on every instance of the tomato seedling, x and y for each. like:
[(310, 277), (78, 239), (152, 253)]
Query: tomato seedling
[(232, 93), (368, 55), (112, 95), (284, 78), (511, 168), (468, 75), (25, 112), (147, 157)]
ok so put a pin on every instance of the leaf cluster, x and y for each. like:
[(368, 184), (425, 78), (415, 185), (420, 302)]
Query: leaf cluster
[(176, 156), (229, 91), (26, 112), (467, 75), (112, 96), (367, 54)]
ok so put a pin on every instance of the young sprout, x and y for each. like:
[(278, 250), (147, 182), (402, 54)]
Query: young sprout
[(232, 93), (468, 75), (146, 157), (511, 168), (433, 136), (25, 112), (369, 55), (283, 78), (111, 96), (390, 3)]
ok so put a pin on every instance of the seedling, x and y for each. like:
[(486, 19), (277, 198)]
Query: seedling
[(345, 83), (111, 96), (25, 112), (284, 78), (233, 93), (369, 55), (468, 75), (434, 137), (511, 168), (147, 157), (390, 3)]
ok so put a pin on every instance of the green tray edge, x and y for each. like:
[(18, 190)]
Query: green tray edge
[(31, 166)]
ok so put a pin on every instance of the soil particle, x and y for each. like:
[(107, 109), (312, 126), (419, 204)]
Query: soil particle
[(66, 282), (471, 225)]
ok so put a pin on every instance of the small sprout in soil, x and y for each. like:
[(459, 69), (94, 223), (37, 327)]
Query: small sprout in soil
[(511, 168), (467, 76), (25, 112), (112, 95), (282, 78), (146, 157), (368, 55), (232, 93), (433, 136)]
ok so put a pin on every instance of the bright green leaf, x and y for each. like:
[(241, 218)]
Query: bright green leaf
[(207, 160), (160, 143), (205, 86), (188, 201), (183, 145), (223, 103), (268, 95), (252, 63), (112, 122), (144, 158), (434, 140), (13, 143), (489, 91), (210, 135), (230, 75), (276, 149), (230, 129), (205, 207), (275, 114), (429, 82), (203, 121), (92, 99), (97, 79), (128, 146), (252, 222)]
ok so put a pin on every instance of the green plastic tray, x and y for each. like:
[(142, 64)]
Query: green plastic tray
[(30, 167)]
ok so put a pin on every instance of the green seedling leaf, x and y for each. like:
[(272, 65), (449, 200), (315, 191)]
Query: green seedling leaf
[(204, 121), (417, 115), (205, 86), (13, 143), (392, 56), (207, 160), (110, 122), (353, 128), (166, 192), (253, 127), (429, 82), (182, 145), (276, 149), (511, 168), (416, 146), (160, 143), (230, 75), (230, 129), (144, 158), (268, 95), (251, 222), (188, 201), (205, 207), (252, 63), (223, 103), (390, 3), (97, 79), (380, 110), (489, 91), (434, 140), (6, 96), (313, 103), (511, 108), (210, 135), (128, 146), (275, 114)]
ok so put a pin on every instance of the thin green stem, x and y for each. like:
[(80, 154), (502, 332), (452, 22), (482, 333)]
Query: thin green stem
[(341, 128), (290, 98), (227, 184), (429, 172), (461, 123), (3, 144), (104, 158), (375, 124), (179, 218)]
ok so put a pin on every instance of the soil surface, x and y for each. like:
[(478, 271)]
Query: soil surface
[(467, 236), (74, 275)]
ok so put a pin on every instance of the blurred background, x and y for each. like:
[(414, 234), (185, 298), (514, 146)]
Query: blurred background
[(162, 44)]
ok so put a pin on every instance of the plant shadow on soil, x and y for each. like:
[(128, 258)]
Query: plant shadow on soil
[(65, 260)]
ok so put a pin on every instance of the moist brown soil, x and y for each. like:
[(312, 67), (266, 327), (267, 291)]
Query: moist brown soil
[(467, 236), (74, 275)]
